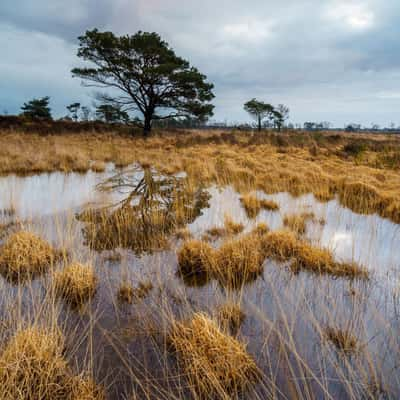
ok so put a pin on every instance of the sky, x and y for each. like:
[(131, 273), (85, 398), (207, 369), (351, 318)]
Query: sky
[(328, 60)]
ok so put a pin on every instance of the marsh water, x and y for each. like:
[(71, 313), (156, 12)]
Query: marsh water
[(284, 311)]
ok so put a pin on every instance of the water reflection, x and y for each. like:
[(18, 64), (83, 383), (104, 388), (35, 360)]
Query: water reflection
[(152, 207)]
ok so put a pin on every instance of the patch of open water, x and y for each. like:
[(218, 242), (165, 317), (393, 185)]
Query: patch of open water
[(282, 309)]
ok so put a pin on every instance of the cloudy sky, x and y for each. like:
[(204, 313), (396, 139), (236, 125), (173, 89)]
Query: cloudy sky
[(328, 60)]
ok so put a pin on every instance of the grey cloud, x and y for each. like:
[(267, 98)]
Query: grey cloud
[(334, 60)]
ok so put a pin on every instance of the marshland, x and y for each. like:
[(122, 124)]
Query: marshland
[(199, 200), (199, 264)]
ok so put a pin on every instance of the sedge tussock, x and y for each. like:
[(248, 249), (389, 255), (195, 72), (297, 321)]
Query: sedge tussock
[(76, 283), (32, 367), (285, 246), (269, 205), (343, 340), (238, 261), (232, 227), (297, 222), (25, 255), (214, 363), (194, 260), (251, 205)]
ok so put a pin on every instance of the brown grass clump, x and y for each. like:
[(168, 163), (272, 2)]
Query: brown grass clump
[(232, 227), (76, 283), (195, 259), (214, 233), (297, 223), (251, 205), (25, 255), (32, 367), (360, 197), (230, 316), (126, 293), (261, 229), (183, 234), (215, 364), (238, 261), (269, 205), (284, 246), (343, 340)]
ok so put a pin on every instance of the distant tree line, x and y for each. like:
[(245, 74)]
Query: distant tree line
[(147, 79)]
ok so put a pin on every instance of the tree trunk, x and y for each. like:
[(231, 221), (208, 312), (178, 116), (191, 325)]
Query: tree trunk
[(259, 124), (147, 125)]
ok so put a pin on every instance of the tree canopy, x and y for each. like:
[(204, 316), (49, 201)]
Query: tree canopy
[(150, 77), (37, 108), (111, 114), (259, 111)]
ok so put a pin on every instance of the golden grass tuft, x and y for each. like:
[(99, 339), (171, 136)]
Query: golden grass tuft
[(284, 246), (76, 283), (297, 223), (25, 255), (269, 205), (32, 367), (360, 197), (194, 259), (126, 293), (232, 227), (238, 261), (215, 364), (343, 340), (251, 205)]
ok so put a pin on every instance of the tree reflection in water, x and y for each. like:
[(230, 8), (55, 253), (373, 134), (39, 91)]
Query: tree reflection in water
[(153, 206)]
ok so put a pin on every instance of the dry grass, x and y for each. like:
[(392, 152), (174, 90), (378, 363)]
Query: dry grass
[(247, 163), (343, 340), (195, 259), (238, 262), (251, 205), (284, 246), (126, 293), (297, 222), (269, 205), (25, 255), (215, 364), (232, 227), (230, 316), (32, 367), (76, 283)]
